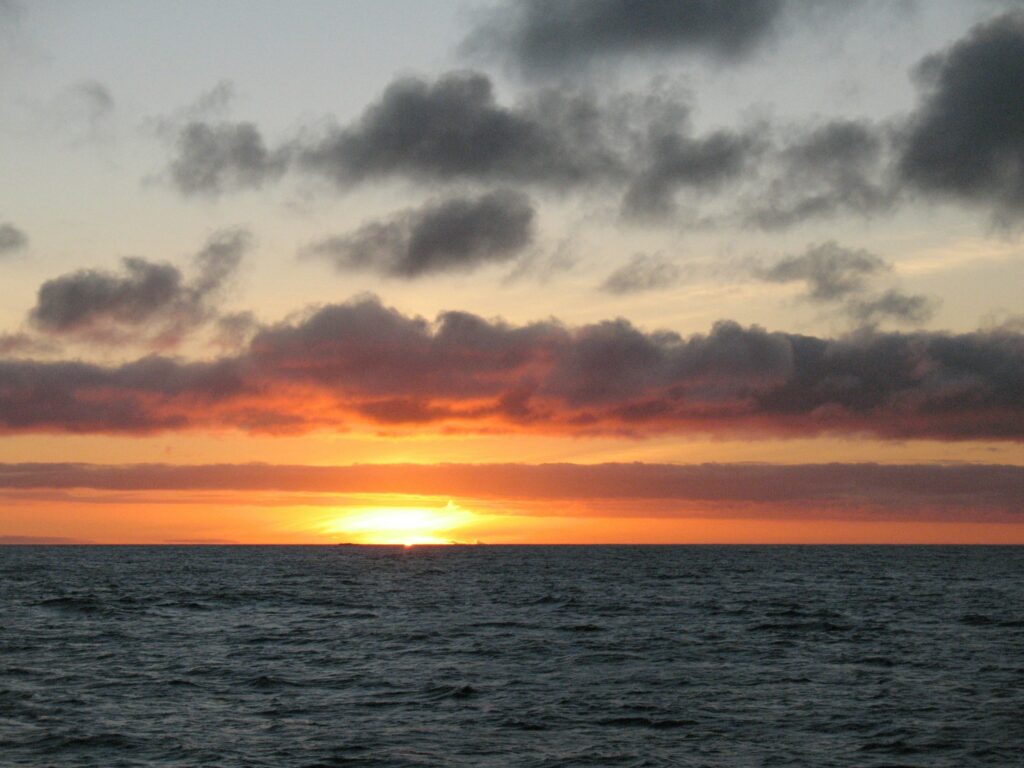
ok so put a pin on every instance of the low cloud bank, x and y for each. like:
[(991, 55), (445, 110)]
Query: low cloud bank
[(364, 363), (966, 492)]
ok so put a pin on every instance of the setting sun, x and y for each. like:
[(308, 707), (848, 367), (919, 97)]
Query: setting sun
[(400, 525)]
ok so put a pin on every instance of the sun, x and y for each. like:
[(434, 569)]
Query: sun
[(407, 526)]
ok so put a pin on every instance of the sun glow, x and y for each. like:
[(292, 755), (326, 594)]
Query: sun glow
[(400, 525)]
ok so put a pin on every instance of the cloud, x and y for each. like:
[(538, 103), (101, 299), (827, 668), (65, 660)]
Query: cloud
[(212, 158), (961, 142), (451, 129), (839, 276), (94, 100), (457, 234), (892, 492), (829, 270), (542, 265), (644, 272), (79, 300), (214, 101), (146, 299), (361, 363), (966, 139), (838, 167), (460, 356), (212, 104), (134, 398), (24, 344), (218, 260), (234, 330), (1002, 321), (80, 113), (12, 239), (676, 161), (550, 37), (894, 305), (454, 129)]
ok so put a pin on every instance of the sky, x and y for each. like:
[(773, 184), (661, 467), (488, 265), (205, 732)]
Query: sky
[(600, 271)]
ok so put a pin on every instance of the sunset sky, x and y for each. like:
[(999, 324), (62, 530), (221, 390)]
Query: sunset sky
[(746, 271)]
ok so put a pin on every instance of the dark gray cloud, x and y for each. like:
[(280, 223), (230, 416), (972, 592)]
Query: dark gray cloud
[(362, 362), (458, 234), (543, 36), (676, 161), (12, 239), (78, 300), (895, 305), (81, 398), (146, 300), (839, 167), (892, 492), (454, 129), (840, 276), (644, 272), (829, 270), (451, 129), (966, 139), (963, 141), (211, 158)]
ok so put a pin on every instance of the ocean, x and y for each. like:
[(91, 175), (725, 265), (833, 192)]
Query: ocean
[(511, 656)]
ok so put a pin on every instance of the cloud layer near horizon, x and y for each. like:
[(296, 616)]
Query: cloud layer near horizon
[(362, 363), (966, 492)]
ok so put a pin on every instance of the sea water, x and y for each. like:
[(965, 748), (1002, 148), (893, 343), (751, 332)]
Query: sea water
[(511, 656)]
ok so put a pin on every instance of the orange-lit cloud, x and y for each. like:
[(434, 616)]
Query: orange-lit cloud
[(361, 364)]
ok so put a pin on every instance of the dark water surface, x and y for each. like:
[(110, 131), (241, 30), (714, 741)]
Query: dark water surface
[(511, 656)]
